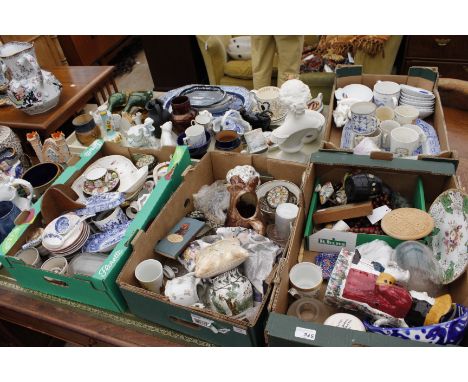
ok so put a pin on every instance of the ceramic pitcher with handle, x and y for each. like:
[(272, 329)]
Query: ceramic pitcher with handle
[(8, 192), (31, 89)]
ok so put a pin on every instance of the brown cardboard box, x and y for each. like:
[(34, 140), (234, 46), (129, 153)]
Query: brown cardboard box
[(425, 78), (210, 326), (282, 330)]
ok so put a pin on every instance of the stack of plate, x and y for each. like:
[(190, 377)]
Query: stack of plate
[(421, 99), (72, 241)]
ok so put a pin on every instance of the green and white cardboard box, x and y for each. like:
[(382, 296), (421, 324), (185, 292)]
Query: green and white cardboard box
[(100, 289), (422, 184)]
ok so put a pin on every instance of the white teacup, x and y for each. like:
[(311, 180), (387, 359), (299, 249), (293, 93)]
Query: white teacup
[(195, 135), (375, 136), (384, 113), (387, 127), (404, 141), (149, 274), (184, 290), (306, 279), (30, 256), (405, 114), (205, 119), (56, 264)]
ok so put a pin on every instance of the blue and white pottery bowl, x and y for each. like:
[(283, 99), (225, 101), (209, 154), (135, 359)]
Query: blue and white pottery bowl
[(446, 333)]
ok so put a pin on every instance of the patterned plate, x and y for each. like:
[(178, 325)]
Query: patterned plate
[(101, 186), (105, 241), (203, 96), (236, 98), (449, 239)]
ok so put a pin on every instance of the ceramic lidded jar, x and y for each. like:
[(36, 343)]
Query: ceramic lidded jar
[(231, 293), (30, 89), (182, 114)]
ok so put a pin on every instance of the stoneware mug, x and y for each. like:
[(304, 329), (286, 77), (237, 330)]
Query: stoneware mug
[(41, 176), (384, 113), (386, 93), (56, 264), (404, 141), (306, 279)]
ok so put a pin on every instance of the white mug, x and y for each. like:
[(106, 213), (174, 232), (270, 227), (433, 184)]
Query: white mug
[(387, 127), (195, 135), (404, 141), (375, 136), (386, 93), (306, 279), (406, 114), (149, 274), (183, 290), (205, 119)]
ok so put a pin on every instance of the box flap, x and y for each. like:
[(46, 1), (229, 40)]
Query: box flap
[(428, 165)]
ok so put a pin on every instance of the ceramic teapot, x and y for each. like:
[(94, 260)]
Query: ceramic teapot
[(231, 293), (8, 192), (30, 89)]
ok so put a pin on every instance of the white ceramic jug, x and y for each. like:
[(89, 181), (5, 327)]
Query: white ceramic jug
[(9, 193), (30, 89)]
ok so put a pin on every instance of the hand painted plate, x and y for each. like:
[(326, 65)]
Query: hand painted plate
[(449, 240), (236, 98), (202, 96)]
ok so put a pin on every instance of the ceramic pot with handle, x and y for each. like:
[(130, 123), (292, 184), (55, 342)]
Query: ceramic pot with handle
[(182, 114), (31, 89)]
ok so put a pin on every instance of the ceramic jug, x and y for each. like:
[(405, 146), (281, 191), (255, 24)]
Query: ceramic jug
[(30, 89), (231, 293), (9, 193)]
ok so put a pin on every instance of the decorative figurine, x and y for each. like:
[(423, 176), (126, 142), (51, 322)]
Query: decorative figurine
[(244, 210), (54, 149), (142, 135), (167, 137), (116, 100), (139, 98)]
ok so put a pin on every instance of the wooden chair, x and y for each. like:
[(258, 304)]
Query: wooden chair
[(104, 91)]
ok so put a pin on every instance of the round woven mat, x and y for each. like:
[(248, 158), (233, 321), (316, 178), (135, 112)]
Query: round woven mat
[(407, 224)]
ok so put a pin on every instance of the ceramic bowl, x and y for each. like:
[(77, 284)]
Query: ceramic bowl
[(227, 140), (196, 152), (41, 176), (416, 92), (355, 91), (446, 333)]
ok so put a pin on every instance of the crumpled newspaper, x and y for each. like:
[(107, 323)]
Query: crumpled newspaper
[(342, 112), (262, 252)]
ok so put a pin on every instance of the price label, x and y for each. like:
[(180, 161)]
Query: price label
[(202, 321), (306, 334)]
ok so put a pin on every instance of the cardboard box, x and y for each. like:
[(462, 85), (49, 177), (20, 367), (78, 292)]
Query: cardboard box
[(209, 326), (422, 77), (100, 289), (283, 330)]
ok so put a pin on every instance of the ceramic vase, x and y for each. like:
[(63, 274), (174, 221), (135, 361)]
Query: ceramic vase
[(31, 89), (231, 293)]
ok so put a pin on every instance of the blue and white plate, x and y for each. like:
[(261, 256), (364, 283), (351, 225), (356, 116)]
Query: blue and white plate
[(236, 98), (62, 224), (102, 202), (105, 241)]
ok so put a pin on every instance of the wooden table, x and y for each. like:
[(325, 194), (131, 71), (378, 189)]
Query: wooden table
[(80, 83), (85, 325)]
